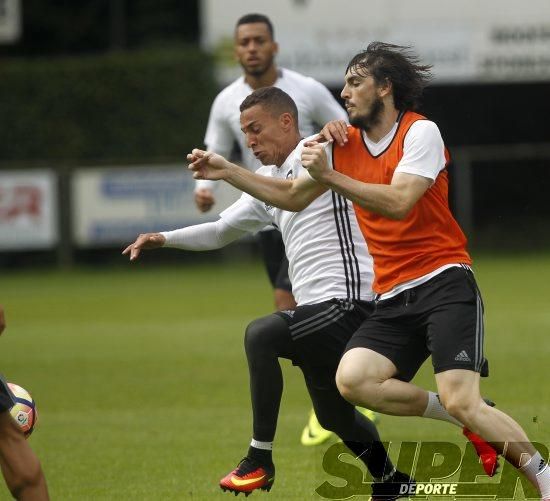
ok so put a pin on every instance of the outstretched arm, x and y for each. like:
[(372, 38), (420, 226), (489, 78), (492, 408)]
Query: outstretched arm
[(291, 195), (201, 237)]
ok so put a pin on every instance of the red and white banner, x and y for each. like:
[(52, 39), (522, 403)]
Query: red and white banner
[(28, 210)]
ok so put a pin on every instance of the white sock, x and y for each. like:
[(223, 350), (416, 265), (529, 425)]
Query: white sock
[(266, 446), (538, 472), (434, 410)]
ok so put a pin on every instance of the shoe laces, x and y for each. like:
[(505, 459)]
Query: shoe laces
[(246, 466)]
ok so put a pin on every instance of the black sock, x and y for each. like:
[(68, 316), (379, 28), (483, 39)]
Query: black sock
[(261, 456)]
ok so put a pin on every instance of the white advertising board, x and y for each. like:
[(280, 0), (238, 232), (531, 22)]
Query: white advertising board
[(10, 21), (114, 205), (28, 210), (466, 41)]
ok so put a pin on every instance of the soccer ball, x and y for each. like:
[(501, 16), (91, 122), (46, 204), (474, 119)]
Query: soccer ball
[(24, 410)]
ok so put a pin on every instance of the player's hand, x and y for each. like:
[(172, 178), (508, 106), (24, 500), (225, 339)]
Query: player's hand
[(2, 319), (314, 159), (337, 130), (144, 241), (207, 165), (204, 199)]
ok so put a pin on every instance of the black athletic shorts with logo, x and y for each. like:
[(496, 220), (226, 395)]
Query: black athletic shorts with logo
[(320, 333), (6, 397), (275, 261), (442, 318)]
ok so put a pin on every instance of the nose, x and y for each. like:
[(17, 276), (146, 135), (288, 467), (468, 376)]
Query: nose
[(252, 46), (345, 92), (251, 140)]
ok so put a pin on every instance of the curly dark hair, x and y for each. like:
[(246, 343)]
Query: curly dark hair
[(399, 66)]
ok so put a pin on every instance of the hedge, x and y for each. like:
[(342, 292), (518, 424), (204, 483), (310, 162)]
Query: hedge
[(120, 107)]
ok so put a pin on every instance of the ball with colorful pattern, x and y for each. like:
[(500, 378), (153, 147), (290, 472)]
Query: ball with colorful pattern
[(24, 411)]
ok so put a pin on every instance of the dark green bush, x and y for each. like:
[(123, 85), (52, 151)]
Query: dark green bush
[(129, 106)]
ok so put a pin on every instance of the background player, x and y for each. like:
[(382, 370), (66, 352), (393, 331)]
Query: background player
[(20, 466), (255, 49)]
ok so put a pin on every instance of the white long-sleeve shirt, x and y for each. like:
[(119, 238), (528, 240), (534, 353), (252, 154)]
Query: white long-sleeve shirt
[(327, 254)]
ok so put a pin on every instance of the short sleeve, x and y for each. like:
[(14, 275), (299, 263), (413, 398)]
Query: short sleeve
[(423, 151)]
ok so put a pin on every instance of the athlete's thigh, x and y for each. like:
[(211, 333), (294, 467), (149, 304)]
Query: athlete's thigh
[(455, 330), (358, 365), (398, 340)]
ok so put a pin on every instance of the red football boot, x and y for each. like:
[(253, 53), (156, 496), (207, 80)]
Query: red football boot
[(249, 476), (485, 451)]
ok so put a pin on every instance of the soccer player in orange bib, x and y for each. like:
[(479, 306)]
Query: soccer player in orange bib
[(391, 163)]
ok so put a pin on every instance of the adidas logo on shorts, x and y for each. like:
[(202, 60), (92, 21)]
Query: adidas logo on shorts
[(463, 357)]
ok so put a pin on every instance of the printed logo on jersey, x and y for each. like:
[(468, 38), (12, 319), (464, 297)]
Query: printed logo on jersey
[(289, 174)]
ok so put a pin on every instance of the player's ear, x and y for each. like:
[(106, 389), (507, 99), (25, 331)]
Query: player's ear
[(385, 88), (286, 120), (275, 48)]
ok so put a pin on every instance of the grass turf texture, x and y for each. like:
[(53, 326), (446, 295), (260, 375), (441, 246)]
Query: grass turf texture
[(142, 387)]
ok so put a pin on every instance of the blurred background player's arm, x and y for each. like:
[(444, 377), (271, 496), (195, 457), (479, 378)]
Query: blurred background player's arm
[(218, 138), (325, 107)]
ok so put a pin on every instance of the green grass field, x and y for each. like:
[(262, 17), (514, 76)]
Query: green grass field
[(142, 385)]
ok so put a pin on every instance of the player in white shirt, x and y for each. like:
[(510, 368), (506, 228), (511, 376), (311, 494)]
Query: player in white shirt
[(255, 49), (331, 272)]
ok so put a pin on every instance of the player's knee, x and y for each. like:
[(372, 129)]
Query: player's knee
[(25, 479), (464, 409), (253, 335), (263, 335), (349, 384), (359, 387), (24, 466)]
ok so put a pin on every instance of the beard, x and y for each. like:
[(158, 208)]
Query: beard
[(368, 120), (258, 71)]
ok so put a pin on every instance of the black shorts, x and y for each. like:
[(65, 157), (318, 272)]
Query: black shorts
[(442, 317), (6, 396), (275, 261), (320, 332)]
